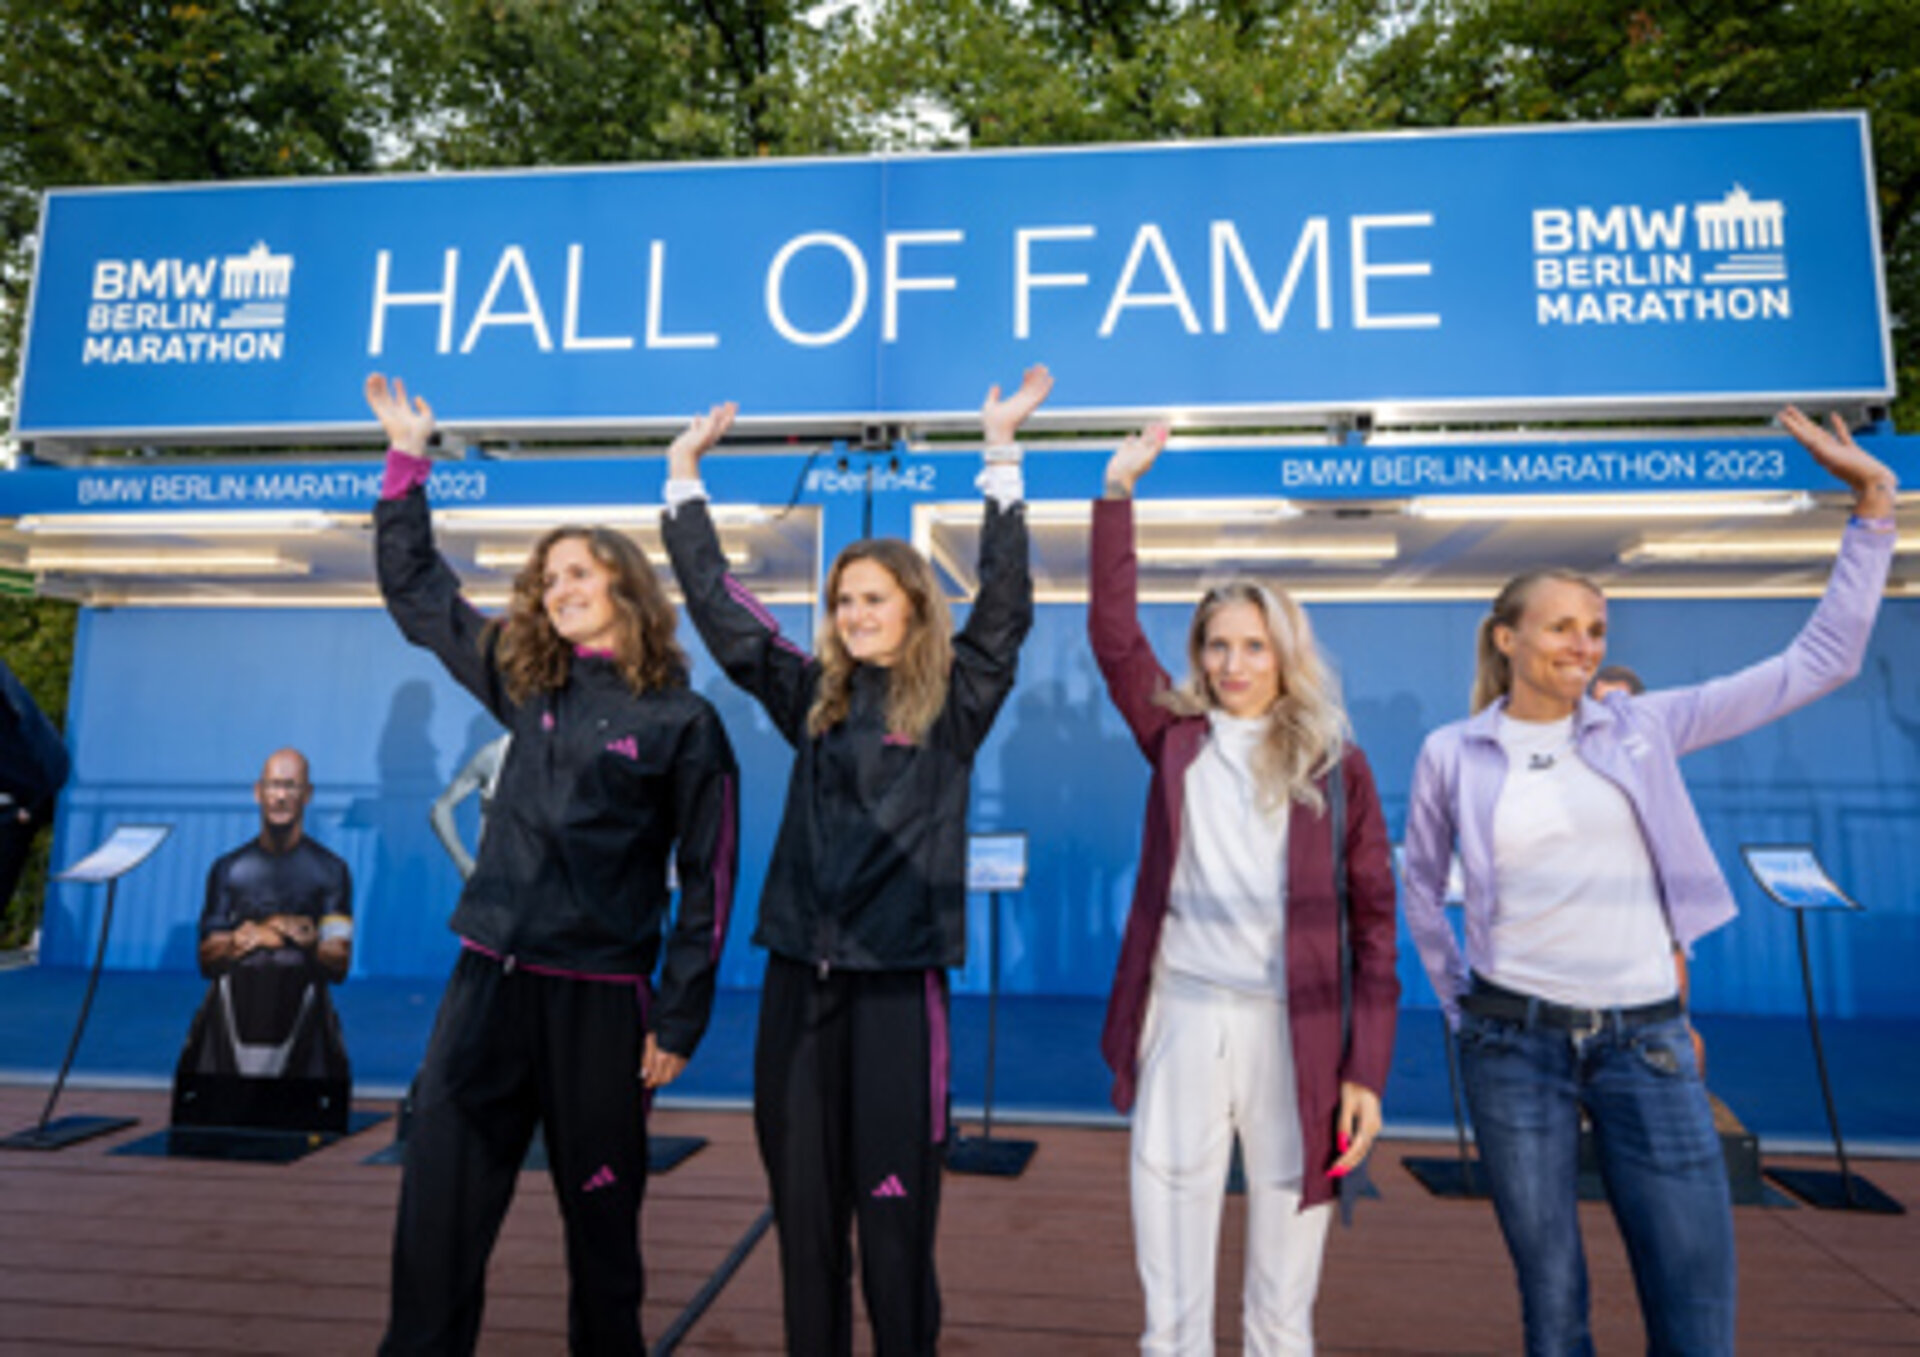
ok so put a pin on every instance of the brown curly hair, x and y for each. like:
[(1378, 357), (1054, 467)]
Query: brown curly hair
[(917, 681), (534, 658)]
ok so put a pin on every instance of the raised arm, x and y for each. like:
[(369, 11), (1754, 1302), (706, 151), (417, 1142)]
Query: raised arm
[(739, 632), (421, 591), (1832, 645), (986, 650), (1127, 662), (706, 793)]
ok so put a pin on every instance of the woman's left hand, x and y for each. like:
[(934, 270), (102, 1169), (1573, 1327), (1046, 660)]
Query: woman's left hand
[(659, 1068), (1872, 481), (1357, 1128), (1001, 419), (697, 440)]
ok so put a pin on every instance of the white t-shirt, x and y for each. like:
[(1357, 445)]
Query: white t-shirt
[(1577, 916), (1226, 912)]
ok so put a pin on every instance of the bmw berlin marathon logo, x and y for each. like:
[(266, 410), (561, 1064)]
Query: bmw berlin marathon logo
[(218, 309), (1717, 262)]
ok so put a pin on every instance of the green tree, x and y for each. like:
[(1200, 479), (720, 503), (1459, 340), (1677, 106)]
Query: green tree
[(1463, 62), (569, 82), (36, 637), (144, 91), (1007, 73), (136, 91)]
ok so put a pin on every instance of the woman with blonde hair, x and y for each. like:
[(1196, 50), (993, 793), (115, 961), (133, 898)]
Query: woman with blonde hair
[(1255, 992), (1587, 874), (551, 1017), (864, 908)]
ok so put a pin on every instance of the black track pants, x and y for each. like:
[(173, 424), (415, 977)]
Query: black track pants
[(850, 1089), (511, 1050)]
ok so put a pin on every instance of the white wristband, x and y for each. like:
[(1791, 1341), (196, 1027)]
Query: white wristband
[(680, 492), (1000, 454)]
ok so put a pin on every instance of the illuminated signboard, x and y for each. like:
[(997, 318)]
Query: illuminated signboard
[(1640, 268)]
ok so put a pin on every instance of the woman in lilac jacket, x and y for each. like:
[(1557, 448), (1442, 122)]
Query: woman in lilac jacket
[(1226, 1007), (1587, 876)]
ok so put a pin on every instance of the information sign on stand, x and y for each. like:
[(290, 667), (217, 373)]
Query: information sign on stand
[(1792, 875), (126, 848), (995, 863)]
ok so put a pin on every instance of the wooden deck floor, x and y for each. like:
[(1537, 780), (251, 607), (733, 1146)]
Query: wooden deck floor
[(101, 1253)]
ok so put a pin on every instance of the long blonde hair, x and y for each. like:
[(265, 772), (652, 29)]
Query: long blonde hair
[(1307, 727), (1492, 671), (917, 680), (534, 658)]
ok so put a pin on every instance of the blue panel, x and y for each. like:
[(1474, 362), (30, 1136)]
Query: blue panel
[(173, 711)]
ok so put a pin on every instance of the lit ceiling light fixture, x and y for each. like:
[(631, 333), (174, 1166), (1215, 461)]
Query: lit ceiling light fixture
[(1299, 549), (508, 556), (540, 517), (1709, 550), (1759, 504), (1068, 512), (54, 560), (234, 523)]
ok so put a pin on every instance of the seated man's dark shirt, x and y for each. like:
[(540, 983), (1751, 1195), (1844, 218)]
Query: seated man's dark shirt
[(267, 1013)]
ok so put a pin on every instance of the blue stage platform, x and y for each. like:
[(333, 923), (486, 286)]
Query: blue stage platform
[(1049, 1063)]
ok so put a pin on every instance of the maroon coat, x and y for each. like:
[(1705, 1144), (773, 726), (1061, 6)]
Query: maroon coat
[(1171, 743)]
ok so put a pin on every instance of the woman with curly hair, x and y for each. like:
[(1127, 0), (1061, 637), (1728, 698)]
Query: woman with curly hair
[(864, 908), (1255, 991), (552, 1017)]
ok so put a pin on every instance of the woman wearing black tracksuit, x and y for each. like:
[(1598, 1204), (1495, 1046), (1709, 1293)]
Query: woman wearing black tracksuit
[(550, 1017), (864, 907)]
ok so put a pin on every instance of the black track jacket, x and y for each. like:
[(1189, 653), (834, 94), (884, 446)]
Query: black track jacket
[(597, 787), (869, 871)]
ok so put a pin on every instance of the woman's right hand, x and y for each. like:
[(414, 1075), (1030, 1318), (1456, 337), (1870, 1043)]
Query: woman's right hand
[(409, 425), (1131, 460), (1872, 481), (697, 439)]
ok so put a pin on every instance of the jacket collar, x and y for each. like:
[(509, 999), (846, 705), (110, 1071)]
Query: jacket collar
[(1484, 725)]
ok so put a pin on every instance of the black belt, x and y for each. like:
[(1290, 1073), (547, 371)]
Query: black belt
[(1486, 1000)]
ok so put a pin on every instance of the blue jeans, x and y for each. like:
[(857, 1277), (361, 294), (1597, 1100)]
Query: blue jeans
[(1659, 1157)]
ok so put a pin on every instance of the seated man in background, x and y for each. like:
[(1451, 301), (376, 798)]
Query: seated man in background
[(276, 931)]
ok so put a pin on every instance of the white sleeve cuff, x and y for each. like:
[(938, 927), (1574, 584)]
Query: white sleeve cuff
[(1002, 483), (680, 492)]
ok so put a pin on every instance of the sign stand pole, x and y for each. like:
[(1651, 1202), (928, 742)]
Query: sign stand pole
[(128, 847), (983, 1154), (1794, 878)]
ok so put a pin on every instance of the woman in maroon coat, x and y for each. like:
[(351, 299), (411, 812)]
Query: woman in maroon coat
[(1226, 1016)]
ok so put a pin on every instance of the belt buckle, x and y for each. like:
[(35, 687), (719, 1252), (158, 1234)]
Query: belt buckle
[(1590, 1023)]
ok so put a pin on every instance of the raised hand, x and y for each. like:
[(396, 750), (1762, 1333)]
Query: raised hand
[(1873, 483), (697, 439), (1001, 419), (409, 425), (1132, 459)]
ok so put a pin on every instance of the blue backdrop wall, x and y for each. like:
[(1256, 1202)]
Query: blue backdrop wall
[(172, 712)]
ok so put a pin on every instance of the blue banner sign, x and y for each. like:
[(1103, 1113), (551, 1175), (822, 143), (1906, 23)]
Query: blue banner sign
[(1617, 268), (1351, 471)]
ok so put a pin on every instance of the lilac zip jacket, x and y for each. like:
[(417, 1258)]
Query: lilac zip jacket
[(1635, 743)]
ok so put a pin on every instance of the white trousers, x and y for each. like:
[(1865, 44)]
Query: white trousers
[(1213, 1062)]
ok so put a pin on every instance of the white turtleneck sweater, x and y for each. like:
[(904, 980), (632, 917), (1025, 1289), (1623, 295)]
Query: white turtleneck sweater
[(1226, 916)]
